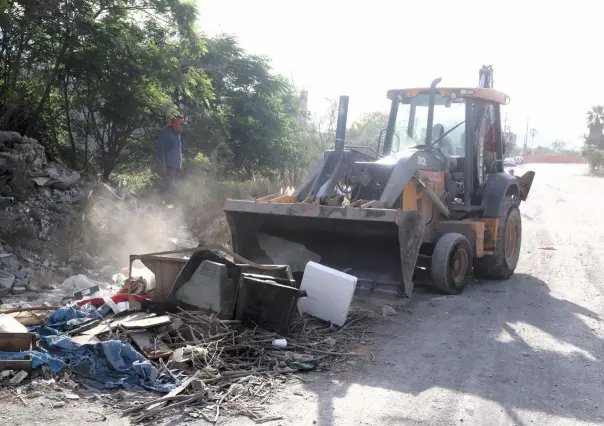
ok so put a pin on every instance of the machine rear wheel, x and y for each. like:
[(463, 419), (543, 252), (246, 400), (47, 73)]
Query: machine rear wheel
[(502, 263), (451, 263)]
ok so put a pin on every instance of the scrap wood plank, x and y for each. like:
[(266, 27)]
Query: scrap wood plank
[(149, 344), (107, 326), (164, 399), (146, 323), (99, 329), (29, 318), (17, 342), (24, 364)]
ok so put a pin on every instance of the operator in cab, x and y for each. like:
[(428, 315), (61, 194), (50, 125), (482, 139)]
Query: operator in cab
[(490, 147)]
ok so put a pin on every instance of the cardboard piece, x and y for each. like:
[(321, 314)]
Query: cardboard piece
[(150, 346)]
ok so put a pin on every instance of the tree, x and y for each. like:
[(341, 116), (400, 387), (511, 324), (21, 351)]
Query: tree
[(594, 140), (594, 156), (128, 76), (253, 113), (366, 130), (558, 145), (96, 82), (38, 41), (595, 123)]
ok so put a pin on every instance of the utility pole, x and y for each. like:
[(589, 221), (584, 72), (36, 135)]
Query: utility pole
[(526, 136), (533, 133)]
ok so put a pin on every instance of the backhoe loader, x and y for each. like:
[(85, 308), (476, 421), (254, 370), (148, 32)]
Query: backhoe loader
[(438, 200)]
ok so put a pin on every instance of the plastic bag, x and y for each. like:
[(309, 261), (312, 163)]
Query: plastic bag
[(10, 325)]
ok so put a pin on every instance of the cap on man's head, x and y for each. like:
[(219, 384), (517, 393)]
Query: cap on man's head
[(177, 120)]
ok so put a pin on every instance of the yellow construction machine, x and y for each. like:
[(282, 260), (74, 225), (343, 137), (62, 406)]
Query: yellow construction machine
[(443, 204)]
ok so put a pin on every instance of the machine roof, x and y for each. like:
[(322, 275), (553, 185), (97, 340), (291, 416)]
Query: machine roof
[(461, 92)]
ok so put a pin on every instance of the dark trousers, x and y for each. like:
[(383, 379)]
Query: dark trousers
[(169, 183)]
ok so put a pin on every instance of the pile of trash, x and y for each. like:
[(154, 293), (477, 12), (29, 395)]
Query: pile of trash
[(209, 331), (36, 199), (39, 276), (23, 166)]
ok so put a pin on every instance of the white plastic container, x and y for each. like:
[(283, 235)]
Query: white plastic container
[(329, 293), (280, 343)]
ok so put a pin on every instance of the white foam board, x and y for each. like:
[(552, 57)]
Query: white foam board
[(329, 293)]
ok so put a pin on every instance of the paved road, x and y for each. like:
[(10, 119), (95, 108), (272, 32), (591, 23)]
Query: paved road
[(527, 351)]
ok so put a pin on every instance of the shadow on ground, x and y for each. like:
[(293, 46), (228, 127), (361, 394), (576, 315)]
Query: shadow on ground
[(475, 343)]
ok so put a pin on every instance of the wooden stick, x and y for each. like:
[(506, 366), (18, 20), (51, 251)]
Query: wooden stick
[(158, 410), (155, 401), (267, 419), (161, 402), (37, 308)]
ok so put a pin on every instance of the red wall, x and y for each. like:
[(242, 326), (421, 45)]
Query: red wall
[(565, 159)]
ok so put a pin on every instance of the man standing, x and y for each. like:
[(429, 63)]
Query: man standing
[(170, 155)]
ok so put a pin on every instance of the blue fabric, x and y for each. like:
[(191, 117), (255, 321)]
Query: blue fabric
[(110, 364), (169, 148), (38, 358), (61, 320)]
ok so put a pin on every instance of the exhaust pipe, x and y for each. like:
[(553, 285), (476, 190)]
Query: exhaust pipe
[(341, 125), (431, 110)]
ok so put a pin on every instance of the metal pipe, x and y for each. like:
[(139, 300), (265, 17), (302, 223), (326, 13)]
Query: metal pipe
[(469, 169), (411, 124), (434, 198), (391, 124), (341, 126), (333, 180), (431, 110)]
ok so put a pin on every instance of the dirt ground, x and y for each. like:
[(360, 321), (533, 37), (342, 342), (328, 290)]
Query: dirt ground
[(527, 351)]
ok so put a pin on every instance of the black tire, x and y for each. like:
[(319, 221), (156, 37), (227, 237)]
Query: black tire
[(451, 264), (502, 263)]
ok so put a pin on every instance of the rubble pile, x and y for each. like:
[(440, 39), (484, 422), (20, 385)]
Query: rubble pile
[(196, 330), (44, 239), (23, 166), (37, 198), (37, 248), (149, 331), (234, 368), (45, 190)]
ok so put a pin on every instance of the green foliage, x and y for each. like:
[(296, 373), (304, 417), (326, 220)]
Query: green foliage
[(558, 145), (593, 148), (366, 130), (594, 156), (595, 123), (97, 81)]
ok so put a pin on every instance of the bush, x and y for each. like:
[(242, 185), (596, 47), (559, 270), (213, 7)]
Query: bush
[(594, 156)]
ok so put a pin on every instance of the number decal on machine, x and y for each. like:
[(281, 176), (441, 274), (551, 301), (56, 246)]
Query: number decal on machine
[(421, 161)]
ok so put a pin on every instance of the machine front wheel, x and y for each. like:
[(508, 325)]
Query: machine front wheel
[(502, 263), (451, 264)]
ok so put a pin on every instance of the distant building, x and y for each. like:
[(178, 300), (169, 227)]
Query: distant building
[(304, 101)]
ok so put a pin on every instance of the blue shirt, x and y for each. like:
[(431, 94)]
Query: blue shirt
[(168, 148)]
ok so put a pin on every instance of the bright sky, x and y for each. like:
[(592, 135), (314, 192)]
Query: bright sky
[(546, 57)]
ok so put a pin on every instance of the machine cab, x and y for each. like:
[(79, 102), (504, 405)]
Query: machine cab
[(460, 126)]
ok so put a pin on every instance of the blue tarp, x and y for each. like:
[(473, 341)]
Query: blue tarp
[(110, 364), (38, 359), (63, 319)]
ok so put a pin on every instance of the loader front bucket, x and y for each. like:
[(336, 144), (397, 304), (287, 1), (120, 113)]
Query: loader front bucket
[(378, 246)]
